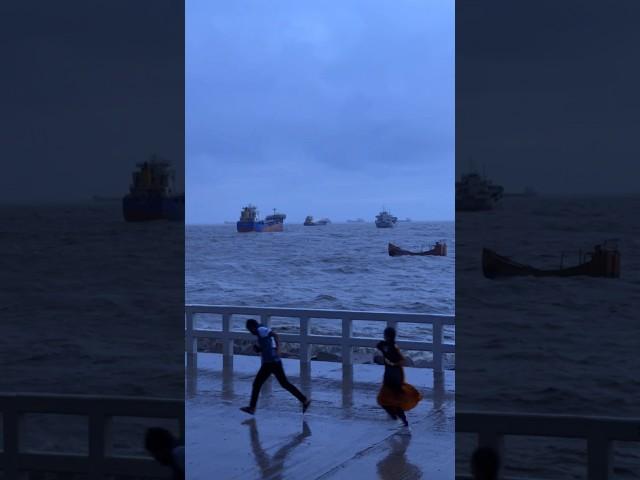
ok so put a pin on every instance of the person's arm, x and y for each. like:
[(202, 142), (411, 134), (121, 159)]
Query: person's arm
[(277, 339), (399, 363)]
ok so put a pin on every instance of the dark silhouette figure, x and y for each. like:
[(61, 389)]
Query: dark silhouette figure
[(395, 465), (166, 450), (269, 348), (485, 464), (396, 396), (272, 467)]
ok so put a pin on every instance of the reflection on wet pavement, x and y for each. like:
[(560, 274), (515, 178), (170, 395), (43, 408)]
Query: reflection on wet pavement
[(396, 460), (272, 466), (352, 437)]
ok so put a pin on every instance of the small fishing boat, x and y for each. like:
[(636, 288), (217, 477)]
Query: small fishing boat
[(603, 261), (439, 250)]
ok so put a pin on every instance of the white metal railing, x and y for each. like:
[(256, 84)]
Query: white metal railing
[(99, 411), (599, 432), (305, 339)]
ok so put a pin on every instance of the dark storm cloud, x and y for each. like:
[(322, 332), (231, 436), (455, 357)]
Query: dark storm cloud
[(334, 89), (547, 93), (88, 89)]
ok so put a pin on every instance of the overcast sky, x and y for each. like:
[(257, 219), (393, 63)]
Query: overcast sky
[(547, 94), (88, 89), (320, 108)]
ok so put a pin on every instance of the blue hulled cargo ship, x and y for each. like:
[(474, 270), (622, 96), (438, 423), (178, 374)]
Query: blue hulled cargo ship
[(151, 195), (249, 221)]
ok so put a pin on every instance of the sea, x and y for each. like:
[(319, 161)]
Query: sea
[(549, 345), (86, 300), (523, 345), (342, 266)]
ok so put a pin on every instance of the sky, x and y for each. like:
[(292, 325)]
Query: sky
[(331, 109), (547, 94), (88, 90)]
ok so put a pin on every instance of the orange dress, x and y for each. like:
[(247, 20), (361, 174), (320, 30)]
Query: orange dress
[(395, 392)]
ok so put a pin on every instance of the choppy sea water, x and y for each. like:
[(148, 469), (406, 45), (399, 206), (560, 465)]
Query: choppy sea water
[(337, 266), (550, 345), (87, 300)]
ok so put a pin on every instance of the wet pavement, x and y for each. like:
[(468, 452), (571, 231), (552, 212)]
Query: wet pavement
[(344, 434)]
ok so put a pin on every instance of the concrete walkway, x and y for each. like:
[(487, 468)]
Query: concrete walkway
[(343, 435)]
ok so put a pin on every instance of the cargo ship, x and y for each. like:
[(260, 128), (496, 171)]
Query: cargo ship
[(250, 222), (310, 222), (385, 220), (475, 193), (151, 195)]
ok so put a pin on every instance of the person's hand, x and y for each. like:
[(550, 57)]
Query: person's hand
[(256, 348)]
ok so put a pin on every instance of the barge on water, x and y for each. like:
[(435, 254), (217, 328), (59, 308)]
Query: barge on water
[(250, 222)]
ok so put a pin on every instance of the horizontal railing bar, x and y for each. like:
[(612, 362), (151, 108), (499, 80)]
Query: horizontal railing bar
[(346, 340), (549, 425), (72, 463), (469, 477), (100, 408), (324, 314), (87, 404), (324, 340)]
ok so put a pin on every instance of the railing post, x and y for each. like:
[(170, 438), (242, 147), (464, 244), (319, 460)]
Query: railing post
[(304, 341), (492, 440), (227, 341), (347, 386), (227, 377), (191, 341), (599, 457), (347, 331), (437, 346), (99, 442), (182, 425), (12, 424)]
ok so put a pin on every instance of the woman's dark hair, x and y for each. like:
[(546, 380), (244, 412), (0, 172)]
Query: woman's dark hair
[(390, 333), (251, 324)]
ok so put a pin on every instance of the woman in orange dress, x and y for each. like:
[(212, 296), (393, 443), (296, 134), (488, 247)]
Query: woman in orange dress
[(396, 396)]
